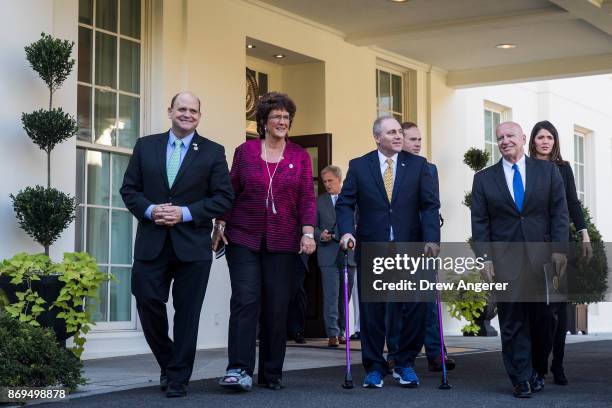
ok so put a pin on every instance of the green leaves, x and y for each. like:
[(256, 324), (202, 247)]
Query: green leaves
[(32, 358), (48, 128), (476, 159), (43, 213), (81, 277), (50, 58)]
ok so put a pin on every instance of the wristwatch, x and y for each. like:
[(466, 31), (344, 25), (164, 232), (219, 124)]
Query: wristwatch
[(308, 234)]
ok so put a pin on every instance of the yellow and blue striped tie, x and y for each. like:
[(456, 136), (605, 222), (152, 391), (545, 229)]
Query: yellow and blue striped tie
[(174, 163)]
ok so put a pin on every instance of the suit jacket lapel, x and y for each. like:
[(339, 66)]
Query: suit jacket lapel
[(530, 175), (375, 169), (188, 159), (400, 170), (162, 148), (500, 179)]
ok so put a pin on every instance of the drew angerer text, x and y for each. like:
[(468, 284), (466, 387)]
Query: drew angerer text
[(424, 284)]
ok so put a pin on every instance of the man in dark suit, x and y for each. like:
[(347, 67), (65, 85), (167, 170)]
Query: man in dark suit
[(331, 259), (175, 184), (395, 194), (412, 144), (518, 200)]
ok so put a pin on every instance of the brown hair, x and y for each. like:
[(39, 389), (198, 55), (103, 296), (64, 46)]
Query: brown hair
[(269, 102), (555, 153), (408, 125)]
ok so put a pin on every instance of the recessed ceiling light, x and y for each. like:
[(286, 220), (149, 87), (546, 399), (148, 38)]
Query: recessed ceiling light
[(251, 46), (505, 46), (279, 56)]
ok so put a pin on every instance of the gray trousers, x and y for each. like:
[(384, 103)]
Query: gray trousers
[(332, 281)]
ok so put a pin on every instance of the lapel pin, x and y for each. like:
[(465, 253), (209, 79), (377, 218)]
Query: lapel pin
[(195, 147), (290, 165), (403, 165)]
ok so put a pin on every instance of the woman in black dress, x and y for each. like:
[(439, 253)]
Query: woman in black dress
[(544, 145)]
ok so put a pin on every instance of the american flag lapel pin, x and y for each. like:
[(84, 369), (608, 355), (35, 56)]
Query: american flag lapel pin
[(195, 147)]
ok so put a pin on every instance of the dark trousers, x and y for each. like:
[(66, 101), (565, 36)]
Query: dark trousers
[(558, 349), (543, 325), (296, 318), (405, 325), (260, 280), (151, 286)]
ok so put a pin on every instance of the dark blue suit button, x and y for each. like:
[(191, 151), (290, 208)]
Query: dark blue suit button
[(522, 218), (170, 198), (390, 210)]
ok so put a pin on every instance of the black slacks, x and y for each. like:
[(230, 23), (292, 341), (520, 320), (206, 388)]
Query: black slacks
[(296, 319), (151, 286), (260, 281)]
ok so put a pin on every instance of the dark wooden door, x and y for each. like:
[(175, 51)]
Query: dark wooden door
[(319, 149)]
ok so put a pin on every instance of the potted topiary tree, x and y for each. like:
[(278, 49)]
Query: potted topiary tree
[(40, 291), (477, 308)]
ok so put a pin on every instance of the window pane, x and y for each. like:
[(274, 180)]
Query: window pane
[(496, 120), (97, 234), (84, 113), (98, 177), (488, 129), (581, 149), (129, 70), (86, 11), (397, 93), (384, 96), (121, 295), (99, 308), (120, 163), (106, 14), (129, 121), (105, 114), (121, 237), (130, 18), (106, 60), (85, 54), (80, 175), (489, 149), (79, 245)]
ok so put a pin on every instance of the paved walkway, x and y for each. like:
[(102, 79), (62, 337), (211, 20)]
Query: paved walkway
[(122, 373)]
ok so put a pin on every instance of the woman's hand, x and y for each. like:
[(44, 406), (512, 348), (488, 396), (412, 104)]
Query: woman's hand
[(587, 249), (218, 235), (307, 245)]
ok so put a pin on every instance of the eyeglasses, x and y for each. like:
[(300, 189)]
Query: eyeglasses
[(278, 118)]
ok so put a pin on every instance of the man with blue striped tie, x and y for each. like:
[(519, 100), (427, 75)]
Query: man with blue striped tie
[(519, 200)]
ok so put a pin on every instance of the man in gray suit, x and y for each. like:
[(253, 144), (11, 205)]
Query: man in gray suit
[(331, 258)]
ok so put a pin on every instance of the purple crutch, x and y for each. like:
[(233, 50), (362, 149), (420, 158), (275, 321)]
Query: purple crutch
[(348, 377), (444, 385)]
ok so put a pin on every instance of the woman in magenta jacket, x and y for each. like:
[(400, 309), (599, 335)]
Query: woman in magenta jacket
[(271, 221)]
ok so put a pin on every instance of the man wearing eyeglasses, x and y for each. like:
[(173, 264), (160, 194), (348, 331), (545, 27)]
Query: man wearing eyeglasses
[(395, 194)]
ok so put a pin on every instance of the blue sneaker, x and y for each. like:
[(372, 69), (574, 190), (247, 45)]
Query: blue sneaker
[(236, 379), (374, 379), (406, 377)]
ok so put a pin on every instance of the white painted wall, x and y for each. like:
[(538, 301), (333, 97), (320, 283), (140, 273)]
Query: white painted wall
[(200, 45)]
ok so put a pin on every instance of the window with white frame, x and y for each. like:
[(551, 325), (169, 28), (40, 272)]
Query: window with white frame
[(579, 138), (109, 120), (389, 94), (494, 114)]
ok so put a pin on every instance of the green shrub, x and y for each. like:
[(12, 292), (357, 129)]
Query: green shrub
[(48, 128), (43, 213), (31, 357), (476, 159)]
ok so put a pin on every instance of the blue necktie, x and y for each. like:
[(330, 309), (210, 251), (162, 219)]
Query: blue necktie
[(519, 189)]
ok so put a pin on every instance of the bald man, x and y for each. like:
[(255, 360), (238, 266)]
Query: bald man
[(175, 184), (519, 200)]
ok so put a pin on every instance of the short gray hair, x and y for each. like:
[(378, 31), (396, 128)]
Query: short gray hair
[(335, 170), (377, 126)]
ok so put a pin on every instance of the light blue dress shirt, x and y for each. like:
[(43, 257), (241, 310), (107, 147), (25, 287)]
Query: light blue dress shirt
[(169, 150)]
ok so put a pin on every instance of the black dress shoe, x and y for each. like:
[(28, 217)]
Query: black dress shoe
[(163, 382), (522, 390), (436, 364), (356, 336), (536, 382), (176, 391), (299, 338), (559, 377), (275, 385)]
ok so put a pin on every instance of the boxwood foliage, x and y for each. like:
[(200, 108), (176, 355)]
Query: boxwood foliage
[(31, 357)]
